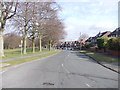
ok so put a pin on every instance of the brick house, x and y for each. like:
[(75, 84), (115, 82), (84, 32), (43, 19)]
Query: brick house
[(93, 40)]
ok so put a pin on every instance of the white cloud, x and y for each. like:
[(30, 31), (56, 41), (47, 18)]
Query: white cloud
[(105, 25), (90, 17), (73, 1)]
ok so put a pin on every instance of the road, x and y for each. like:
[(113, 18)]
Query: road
[(67, 69)]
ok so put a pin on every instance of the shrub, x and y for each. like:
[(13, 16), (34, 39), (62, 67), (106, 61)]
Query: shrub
[(88, 45), (114, 43), (102, 42)]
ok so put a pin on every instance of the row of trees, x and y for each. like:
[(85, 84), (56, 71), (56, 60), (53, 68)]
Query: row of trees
[(34, 20), (11, 41)]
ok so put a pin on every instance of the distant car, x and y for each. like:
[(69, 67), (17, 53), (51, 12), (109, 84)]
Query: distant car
[(65, 48), (70, 48)]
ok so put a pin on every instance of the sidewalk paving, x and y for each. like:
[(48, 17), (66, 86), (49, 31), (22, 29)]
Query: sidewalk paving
[(112, 66), (4, 64)]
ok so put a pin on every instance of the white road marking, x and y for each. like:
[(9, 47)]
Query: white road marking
[(2, 72), (88, 85), (65, 69)]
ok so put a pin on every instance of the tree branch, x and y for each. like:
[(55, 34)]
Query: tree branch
[(13, 12)]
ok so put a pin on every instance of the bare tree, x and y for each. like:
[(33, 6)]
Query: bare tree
[(83, 36), (55, 31), (7, 11), (44, 13), (23, 21), (11, 41), (32, 32)]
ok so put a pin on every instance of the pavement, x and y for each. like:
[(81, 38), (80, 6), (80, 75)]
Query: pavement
[(4, 64), (114, 66), (67, 69)]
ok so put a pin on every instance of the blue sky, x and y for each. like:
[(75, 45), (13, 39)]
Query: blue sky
[(88, 16)]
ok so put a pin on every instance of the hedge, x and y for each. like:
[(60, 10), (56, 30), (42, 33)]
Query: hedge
[(102, 42), (112, 43), (88, 45)]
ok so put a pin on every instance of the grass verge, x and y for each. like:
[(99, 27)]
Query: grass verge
[(100, 57), (23, 60), (13, 53)]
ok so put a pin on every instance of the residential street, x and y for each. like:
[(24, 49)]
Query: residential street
[(68, 69)]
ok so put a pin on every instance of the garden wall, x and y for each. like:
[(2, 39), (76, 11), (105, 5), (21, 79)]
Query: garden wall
[(113, 52)]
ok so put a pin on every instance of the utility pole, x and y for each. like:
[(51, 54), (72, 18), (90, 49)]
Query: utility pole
[(80, 40)]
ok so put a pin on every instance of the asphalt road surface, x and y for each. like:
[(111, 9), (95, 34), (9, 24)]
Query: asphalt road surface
[(68, 69)]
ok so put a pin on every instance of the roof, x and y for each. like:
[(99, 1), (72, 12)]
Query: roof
[(101, 34), (116, 32)]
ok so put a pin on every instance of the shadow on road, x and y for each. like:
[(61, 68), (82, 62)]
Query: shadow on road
[(81, 55)]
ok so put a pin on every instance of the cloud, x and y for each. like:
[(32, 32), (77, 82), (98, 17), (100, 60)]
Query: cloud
[(105, 24), (72, 1), (90, 17)]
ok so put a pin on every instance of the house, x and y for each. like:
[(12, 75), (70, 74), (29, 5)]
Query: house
[(70, 44), (89, 39), (115, 33), (103, 34), (93, 40)]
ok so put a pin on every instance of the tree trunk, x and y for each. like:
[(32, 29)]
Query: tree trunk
[(1, 44), (40, 43), (24, 44), (50, 45), (33, 45)]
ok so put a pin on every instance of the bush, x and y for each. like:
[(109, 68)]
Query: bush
[(88, 45), (114, 43), (102, 42)]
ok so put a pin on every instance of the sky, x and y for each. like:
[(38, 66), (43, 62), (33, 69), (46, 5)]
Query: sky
[(88, 16)]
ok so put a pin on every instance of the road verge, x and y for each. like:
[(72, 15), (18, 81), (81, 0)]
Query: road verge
[(103, 60), (28, 59)]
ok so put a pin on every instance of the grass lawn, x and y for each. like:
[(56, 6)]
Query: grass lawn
[(12, 53), (100, 57), (19, 61)]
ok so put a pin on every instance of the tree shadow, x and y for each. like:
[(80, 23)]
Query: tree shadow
[(83, 56), (89, 59)]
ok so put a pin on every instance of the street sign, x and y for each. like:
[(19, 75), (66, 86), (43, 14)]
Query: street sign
[(21, 41), (20, 45)]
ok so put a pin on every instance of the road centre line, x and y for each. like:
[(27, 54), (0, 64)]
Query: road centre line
[(2, 71), (65, 69), (88, 85)]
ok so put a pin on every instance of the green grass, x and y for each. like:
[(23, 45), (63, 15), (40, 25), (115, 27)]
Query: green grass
[(13, 53), (82, 51), (104, 58), (23, 60), (100, 57)]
